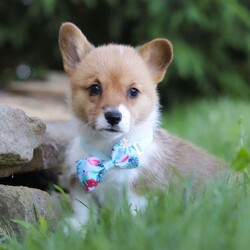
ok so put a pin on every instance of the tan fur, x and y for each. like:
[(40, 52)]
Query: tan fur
[(157, 54), (116, 76), (74, 46), (117, 69), (115, 73), (175, 159)]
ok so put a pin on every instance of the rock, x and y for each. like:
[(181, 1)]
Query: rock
[(51, 153), (48, 155), (48, 159), (27, 204), (19, 136)]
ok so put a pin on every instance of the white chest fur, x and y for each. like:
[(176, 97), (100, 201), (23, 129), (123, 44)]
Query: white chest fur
[(116, 180)]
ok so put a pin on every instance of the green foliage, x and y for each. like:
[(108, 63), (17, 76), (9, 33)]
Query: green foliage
[(211, 38), (242, 160), (217, 218), (65, 201)]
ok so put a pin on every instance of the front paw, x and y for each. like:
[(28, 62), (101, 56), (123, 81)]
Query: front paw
[(137, 203), (73, 224)]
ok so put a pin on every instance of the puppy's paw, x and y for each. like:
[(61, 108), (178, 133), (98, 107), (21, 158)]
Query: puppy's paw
[(73, 224), (137, 203)]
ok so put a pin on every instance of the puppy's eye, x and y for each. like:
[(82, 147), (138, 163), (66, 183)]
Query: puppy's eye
[(95, 89), (133, 92)]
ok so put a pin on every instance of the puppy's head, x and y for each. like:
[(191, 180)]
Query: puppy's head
[(113, 87)]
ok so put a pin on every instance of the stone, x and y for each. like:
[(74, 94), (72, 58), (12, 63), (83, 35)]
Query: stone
[(49, 155), (19, 136), (26, 204)]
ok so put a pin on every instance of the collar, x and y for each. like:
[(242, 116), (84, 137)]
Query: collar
[(92, 151)]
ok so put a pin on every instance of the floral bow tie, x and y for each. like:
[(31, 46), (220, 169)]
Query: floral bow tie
[(90, 170)]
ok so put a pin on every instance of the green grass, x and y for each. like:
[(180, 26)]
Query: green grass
[(220, 126), (217, 218)]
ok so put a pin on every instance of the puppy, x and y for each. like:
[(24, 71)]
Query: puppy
[(114, 97)]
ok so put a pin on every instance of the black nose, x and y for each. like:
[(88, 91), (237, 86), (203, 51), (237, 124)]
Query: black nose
[(113, 117)]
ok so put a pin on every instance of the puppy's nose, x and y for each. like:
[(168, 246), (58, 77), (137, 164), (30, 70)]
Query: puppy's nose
[(113, 117)]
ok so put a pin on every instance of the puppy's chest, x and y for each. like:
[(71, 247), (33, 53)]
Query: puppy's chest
[(115, 182)]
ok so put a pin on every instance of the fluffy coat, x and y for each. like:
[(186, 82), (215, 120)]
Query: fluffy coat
[(105, 79)]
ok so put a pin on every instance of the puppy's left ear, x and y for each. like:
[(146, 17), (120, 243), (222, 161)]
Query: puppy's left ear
[(73, 45), (157, 54)]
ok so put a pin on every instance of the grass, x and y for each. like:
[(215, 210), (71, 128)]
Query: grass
[(220, 126), (217, 218)]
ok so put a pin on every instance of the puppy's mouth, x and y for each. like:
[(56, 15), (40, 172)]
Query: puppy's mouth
[(112, 130)]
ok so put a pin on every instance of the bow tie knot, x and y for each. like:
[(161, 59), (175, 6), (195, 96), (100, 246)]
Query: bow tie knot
[(90, 170)]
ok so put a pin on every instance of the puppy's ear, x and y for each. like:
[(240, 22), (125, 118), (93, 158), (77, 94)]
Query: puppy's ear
[(73, 45), (157, 54)]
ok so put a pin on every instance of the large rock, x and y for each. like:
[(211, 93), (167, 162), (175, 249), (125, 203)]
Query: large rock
[(19, 136), (48, 155), (26, 204), (51, 153), (46, 166)]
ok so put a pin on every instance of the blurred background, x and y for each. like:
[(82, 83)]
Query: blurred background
[(211, 40), (207, 87)]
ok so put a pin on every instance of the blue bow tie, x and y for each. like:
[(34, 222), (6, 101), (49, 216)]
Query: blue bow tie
[(90, 170)]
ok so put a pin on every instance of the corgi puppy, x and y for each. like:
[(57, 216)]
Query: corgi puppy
[(114, 96)]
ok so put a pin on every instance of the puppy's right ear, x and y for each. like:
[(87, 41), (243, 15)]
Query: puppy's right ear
[(73, 45)]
